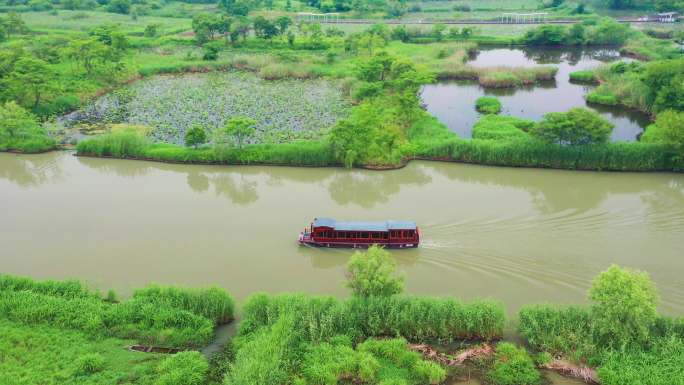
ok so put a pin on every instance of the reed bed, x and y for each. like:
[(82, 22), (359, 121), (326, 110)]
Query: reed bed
[(414, 318), (498, 77), (54, 288), (129, 144), (167, 316), (212, 303)]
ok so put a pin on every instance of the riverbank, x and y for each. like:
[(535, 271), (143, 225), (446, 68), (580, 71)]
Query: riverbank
[(429, 140), (418, 338)]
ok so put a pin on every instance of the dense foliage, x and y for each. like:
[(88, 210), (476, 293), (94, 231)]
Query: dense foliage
[(20, 130), (579, 126), (621, 332)]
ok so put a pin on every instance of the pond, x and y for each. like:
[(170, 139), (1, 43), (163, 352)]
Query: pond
[(169, 105), (453, 102), (519, 235)]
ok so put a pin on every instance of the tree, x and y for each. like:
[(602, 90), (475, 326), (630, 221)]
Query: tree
[(438, 31), (211, 51), (119, 6), (195, 136), (371, 274), (283, 23), (31, 79), (665, 81), (624, 307), (240, 128), (88, 53), (578, 126), (545, 35), (14, 24)]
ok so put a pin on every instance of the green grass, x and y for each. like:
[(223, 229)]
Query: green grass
[(166, 316), (42, 354), (586, 77), (488, 105)]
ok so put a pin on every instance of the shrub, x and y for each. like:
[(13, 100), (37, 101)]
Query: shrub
[(20, 130), (89, 364), (513, 366), (624, 308), (488, 105), (372, 274), (583, 77), (578, 126), (184, 368), (668, 129)]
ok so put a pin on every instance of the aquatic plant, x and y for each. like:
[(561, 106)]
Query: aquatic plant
[(488, 105), (585, 76), (285, 110)]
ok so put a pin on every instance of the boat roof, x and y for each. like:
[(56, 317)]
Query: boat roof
[(364, 226)]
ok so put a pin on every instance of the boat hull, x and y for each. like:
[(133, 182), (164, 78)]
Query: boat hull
[(356, 245)]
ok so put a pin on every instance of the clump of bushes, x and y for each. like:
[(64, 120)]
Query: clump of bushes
[(668, 129), (212, 303), (513, 366), (371, 274), (578, 126), (20, 131), (488, 105)]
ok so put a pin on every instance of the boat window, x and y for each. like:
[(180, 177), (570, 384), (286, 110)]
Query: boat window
[(375, 235), (410, 233), (385, 235), (364, 235)]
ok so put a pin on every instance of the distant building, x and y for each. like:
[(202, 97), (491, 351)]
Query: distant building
[(667, 17)]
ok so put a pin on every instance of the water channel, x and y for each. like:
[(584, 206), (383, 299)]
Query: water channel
[(519, 235)]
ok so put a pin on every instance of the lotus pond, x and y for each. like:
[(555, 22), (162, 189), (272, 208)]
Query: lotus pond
[(285, 110)]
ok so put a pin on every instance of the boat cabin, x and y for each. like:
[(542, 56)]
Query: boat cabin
[(327, 232)]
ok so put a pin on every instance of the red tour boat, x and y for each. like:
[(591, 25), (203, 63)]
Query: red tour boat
[(327, 232)]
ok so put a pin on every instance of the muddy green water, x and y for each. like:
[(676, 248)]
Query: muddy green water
[(519, 235)]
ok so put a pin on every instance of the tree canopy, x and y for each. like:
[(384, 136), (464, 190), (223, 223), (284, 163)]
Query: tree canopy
[(372, 274)]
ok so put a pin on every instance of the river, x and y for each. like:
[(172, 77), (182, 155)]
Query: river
[(453, 102), (519, 235)]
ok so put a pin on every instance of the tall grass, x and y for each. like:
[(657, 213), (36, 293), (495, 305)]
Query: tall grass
[(586, 77), (498, 77), (414, 318), (168, 316), (127, 144), (212, 303), (556, 330), (67, 288)]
